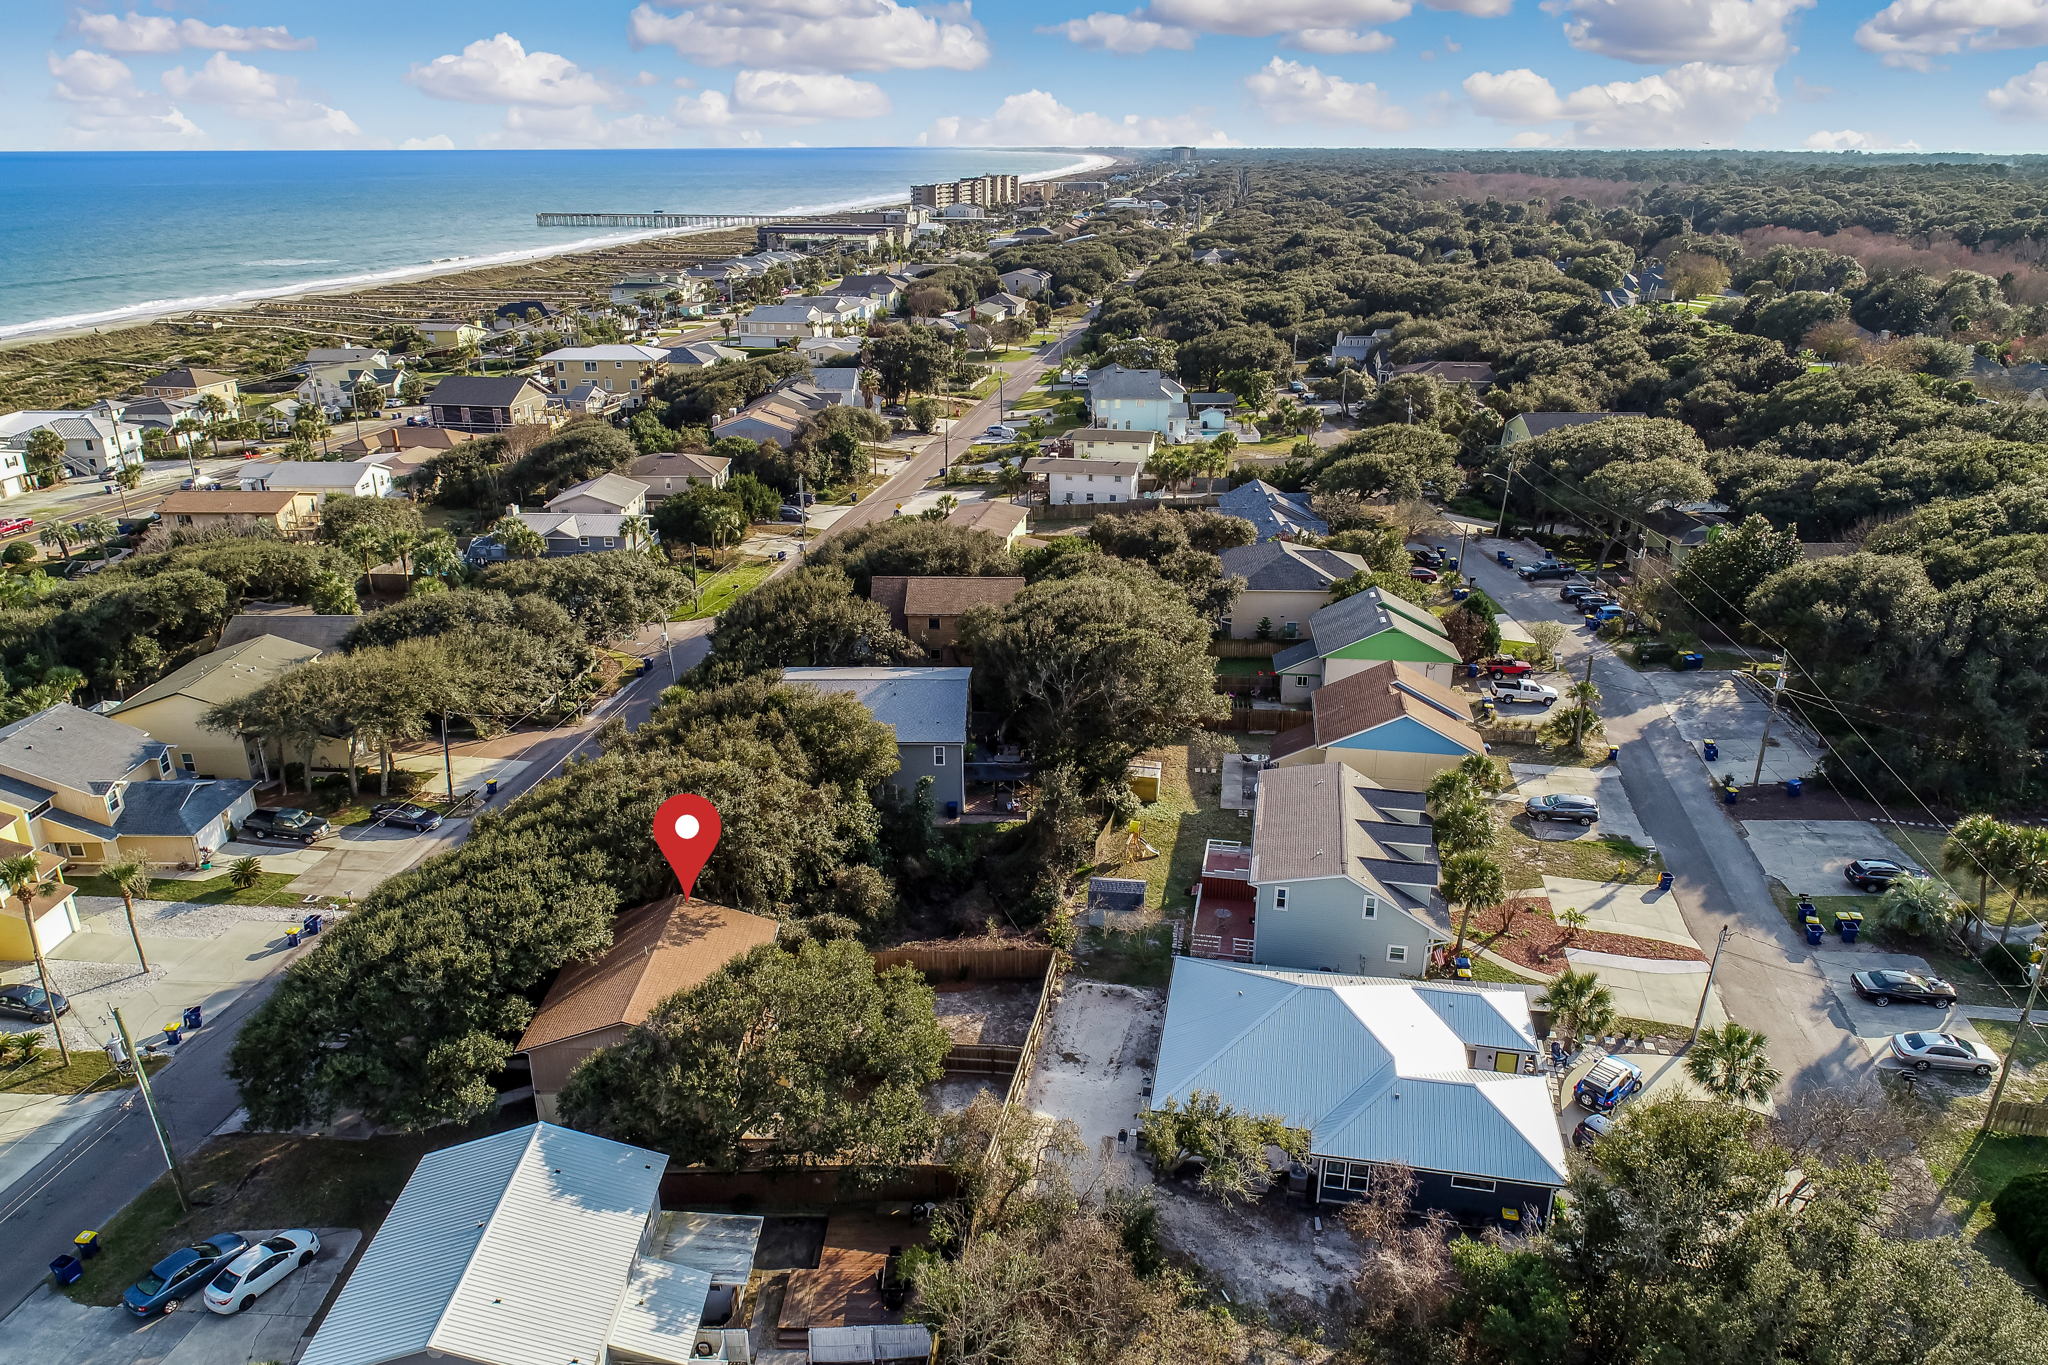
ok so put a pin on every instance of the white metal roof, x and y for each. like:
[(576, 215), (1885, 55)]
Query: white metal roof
[(514, 1249), (1375, 1068), (661, 1312), (859, 1345)]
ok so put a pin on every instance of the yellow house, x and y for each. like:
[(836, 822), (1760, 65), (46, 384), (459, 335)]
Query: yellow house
[(626, 372), (447, 334), (51, 907), (174, 709), (293, 511)]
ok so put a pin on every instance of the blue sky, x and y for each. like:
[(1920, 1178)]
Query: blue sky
[(1932, 74)]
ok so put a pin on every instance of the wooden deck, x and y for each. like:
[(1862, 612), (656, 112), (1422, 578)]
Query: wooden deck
[(841, 1292)]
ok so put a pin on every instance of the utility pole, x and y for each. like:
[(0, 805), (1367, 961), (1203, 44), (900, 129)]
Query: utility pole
[(2036, 970), (447, 763), (155, 1120), (1501, 526), (1707, 991), (28, 920), (1770, 717)]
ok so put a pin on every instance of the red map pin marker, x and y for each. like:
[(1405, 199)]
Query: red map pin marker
[(687, 827)]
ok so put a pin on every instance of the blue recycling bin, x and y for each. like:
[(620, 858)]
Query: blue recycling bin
[(1664, 881), (1848, 924), (952, 810), (1814, 933), (291, 937), (1806, 910), (195, 1018), (66, 1270), (1471, 670), (174, 1034), (1503, 557), (1691, 660), (1613, 753), (1711, 749), (1794, 786), (311, 924), (1460, 594), (1730, 794), (490, 789), (1461, 967)]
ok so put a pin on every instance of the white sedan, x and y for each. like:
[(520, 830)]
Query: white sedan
[(1925, 1051), (243, 1280)]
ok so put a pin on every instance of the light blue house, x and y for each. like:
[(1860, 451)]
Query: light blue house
[(1139, 400), (1387, 721), (927, 710)]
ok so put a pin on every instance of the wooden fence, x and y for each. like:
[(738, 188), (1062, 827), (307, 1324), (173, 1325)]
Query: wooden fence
[(983, 1059), (2020, 1119), (1245, 649), (970, 964), (1048, 992), (1259, 720)]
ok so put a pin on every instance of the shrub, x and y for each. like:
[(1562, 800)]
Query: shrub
[(2021, 1209), (20, 552)]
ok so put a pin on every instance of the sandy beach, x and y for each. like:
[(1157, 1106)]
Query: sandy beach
[(135, 315)]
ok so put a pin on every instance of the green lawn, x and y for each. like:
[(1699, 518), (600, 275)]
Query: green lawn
[(268, 890), (1972, 1168), (1923, 846), (2029, 1053), (1591, 857), (720, 590), (89, 1071), (1179, 824)]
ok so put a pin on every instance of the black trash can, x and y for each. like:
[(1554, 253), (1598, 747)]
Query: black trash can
[(194, 1018)]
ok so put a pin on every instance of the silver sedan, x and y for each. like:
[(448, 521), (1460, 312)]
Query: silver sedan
[(1926, 1051)]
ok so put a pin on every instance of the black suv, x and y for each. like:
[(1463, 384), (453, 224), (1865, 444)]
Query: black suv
[(1876, 874), (286, 822)]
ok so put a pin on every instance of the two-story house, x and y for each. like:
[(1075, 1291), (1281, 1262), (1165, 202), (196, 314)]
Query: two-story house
[(605, 493), (926, 708), (1027, 282), (928, 608), (624, 371), (1432, 1077), (449, 334), (323, 478), (776, 324), (97, 441), (1362, 630), (1274, 515), (1107, 443), (671, 472), (187, 382), (1387, 722), (464, 402), (174, 709), (1085, 481), (1139, 400), (1284, 585)]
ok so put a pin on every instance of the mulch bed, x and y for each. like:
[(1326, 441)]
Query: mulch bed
[(1816, 802), (1533, 939)]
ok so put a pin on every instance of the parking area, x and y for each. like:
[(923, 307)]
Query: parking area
[(1603, 784), (1807, 856), (1733, 713), (1874, 1025), (50, 1327), (1094, 1068)]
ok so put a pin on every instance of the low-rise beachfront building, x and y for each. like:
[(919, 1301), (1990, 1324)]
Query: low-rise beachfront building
[(97, 441), (186, 382), (323, 478), (485, 403), (624, 371), (290, 511)]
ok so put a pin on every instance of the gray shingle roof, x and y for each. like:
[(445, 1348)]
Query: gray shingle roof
[(75, 748), (1114, 381), (922, 705), (1272, 512), (177, 806), (1276, 566), (481, 391)]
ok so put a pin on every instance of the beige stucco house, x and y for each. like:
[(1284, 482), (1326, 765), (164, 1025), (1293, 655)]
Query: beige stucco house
[(174, 709)]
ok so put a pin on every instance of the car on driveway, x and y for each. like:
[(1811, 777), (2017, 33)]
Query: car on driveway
[(242, 1281), (1612, 1080), (1876, 874), (1943, 1052), (1572, 592), (1591, 1129), (1563, 806), (1548, 568), (29, 1002), (181, 1275), (284, 822), (406, 815), (1907, 988), (1505, 690), (1423, 574), (1506, 667)]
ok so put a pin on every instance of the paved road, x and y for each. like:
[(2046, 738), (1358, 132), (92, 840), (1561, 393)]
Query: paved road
[(1768, 978)]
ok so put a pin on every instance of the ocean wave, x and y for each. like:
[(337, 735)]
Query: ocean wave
[(297, 260)]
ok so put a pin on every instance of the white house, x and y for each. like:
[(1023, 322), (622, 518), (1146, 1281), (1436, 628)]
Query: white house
[(605, 493), (1081, 481), (1001, 308), (13, 468), (774, 324), (1139, 400), (96, 441), (328, 478), (359, 357), (1027, 282)]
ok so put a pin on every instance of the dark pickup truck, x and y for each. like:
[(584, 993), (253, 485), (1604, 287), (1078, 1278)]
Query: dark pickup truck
[(289, 822), (1548, 568)]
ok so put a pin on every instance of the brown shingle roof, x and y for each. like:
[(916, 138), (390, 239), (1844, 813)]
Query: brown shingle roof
[(1369, 698), (951, 596), (657, 949), (886, 591), (998, 518), (225, 501)]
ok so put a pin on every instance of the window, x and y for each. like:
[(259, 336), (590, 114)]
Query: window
[(590, 367), (1354, 1176), (1397, 953), (1466, 1182), (931, 623), (1091, 496), (608, 542), (188, 763), (68, 850), (938, 755), (1301, 680), (114, 801), (1279, 898), (163, 762), (583, 540), (1370, 909)]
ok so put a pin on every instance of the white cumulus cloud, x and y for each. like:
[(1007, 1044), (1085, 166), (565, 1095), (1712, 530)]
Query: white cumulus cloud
[(264, 97), (439, 142), (1683, 107), (1912, 33), (1295, 92), (132, 32), (1340, 40), (793, 95), (108, 108), (1128, 34), (1262, 18), (1852, 140), (499, 70), (2024, 98), (813, 35), (1731, 32), (1035, 118)]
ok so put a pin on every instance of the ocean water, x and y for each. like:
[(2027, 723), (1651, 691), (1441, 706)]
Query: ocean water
[(93, 238)]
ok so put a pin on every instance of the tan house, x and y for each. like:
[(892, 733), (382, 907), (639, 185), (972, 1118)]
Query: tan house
[(1388, 722), (928, 609), (186, 382), (400, 440), (606, 493), (1105, 443), (174, 708), (1004, 520), (293, 511), (675, 471), (624, 371), (1284, 585), (447, 334), (657, 949)]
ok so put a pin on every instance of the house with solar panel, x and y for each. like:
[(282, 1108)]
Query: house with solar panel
[(1361, 630), (1437, 1078)]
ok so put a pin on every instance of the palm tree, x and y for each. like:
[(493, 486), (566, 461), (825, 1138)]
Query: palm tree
[(437, 554), (723, 521), (1921, 906), (1580, 1007), (1465, 826), (1469, 880), (46, 454), (1011, 478), (101, 529), (22, 877), (1448, 788), (1731, 1063), (245, 873), (1976, 847), (131, 883), (946, 503), (518, 539), (2024, 870), (1485, 773), (215, 407), (1571, 919), (635, 529), (58, 534), (187, 428)]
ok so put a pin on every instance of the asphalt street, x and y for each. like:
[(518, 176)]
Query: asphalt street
[(1767, 978)]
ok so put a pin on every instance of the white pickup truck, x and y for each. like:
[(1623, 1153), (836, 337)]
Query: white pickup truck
[(1505, 690)]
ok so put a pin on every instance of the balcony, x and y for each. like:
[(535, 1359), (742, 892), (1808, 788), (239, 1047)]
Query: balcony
[(1226, 859)]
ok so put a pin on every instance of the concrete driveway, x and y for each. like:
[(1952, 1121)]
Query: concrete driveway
[(1603, 784), (1807, 856), (1874, 1025), (49, 1327), (1622, 908), (1732, 713)]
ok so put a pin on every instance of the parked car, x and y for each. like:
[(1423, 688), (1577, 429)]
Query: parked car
[(284, 822), (180, 1275), (406, 815), (1505, 666), (201, 482), (791, 512), (1612, 1080), (1591, 1129), (1422, 574), (1563, 806), (1426, 557), (1590, 602), (1572, 592), (14, 526), (1297, 386), (1001, 432), (1908, 988), (29, 1002), (1877, 874), (895, 410), (1548, 568), (1943, 1051), (242, 1281), (1521, 689)]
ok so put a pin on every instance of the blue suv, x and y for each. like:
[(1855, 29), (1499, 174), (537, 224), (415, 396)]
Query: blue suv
[(1612, 1080)]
